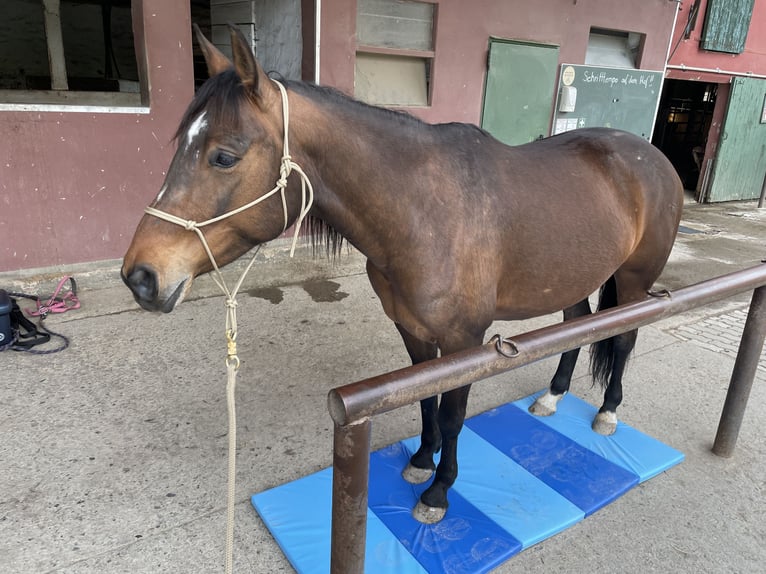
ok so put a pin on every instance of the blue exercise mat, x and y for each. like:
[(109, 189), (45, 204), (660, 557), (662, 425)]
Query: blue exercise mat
[(522, 479)]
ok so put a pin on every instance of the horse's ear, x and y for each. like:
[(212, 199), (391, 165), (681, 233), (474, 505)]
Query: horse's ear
[(216, 61), (247, 68)]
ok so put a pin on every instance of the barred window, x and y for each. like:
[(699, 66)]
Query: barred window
[(395, 52), (68, 52)]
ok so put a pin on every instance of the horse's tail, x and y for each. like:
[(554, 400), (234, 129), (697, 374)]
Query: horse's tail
[(602, 352)]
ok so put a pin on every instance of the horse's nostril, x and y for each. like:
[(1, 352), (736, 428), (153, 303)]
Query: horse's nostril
[(143, 282)]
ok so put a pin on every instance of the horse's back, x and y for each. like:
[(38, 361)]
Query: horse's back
[(579, 207), (512, 232), (641, 179), (587, 165), (591, 170), (615, 153)]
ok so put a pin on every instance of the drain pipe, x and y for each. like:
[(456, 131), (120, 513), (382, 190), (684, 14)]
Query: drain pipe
[(317, 38), (685, 68), (665, 71)]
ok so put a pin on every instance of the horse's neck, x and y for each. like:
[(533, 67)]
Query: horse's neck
[(360, 191)]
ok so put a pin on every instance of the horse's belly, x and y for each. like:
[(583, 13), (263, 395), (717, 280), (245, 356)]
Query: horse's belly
[(517, 304)]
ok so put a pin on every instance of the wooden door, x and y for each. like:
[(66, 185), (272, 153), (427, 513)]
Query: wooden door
[(740, 164), (518, 97)]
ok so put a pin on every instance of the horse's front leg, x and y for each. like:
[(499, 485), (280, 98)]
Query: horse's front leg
[(421, 465), (452, 408), (433, 502)]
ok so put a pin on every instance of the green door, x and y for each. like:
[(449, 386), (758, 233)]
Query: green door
[(518, 98), (740, 165)]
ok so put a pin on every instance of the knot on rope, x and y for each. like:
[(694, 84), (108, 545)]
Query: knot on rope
[(190, 224), (230, 302), (284, 172)]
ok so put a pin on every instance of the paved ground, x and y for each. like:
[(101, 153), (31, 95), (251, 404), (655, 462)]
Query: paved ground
[(113, 452)]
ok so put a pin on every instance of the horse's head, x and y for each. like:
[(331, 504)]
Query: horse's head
[(229, 147)]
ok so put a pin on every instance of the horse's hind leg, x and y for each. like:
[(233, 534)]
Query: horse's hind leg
[(546, 404), (610, 356), (605, 422), (421, 465)]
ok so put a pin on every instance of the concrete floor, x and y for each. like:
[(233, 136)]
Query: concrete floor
[(114, 452)]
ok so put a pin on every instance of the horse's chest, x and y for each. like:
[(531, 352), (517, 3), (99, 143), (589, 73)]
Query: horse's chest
[(432, 305)]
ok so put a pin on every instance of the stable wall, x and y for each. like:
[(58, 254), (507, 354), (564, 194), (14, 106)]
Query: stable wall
[(463, 30), (688, 61), (687, 52), (73, 184)]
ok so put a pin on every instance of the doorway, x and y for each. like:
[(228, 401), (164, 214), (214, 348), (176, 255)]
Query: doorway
[(683, 124)]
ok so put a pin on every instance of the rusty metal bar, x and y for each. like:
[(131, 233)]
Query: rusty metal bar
[(352, 406), (742, 376), (364, 399), (351, 470)]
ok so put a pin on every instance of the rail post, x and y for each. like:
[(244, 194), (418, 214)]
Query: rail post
[(351, 470), (352, 406), (742, 375)]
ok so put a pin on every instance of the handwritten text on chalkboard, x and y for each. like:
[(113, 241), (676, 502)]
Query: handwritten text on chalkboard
[(611, 79)]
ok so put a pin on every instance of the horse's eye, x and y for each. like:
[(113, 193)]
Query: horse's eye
[(223, 159)]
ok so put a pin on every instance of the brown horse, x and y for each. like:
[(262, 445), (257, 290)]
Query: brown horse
[(458, 229)]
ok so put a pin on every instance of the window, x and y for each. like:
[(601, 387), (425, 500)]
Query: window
[(68, 52), (395, 51), (726, 25), (272, 29), (614, 48)]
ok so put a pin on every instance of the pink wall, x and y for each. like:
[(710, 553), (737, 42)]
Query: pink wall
[(688, 52), (73, 184), (464, 29)]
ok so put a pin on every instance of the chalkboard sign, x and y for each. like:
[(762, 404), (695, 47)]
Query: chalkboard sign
[(619, 98)]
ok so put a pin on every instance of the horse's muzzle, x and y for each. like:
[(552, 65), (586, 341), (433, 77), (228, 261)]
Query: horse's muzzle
[(143, 282)]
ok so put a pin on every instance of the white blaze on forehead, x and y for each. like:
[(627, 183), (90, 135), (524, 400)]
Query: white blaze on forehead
[(197, 127)]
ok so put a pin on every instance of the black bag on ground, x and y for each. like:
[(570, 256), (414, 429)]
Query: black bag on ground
[(6, 305), (18, 333)]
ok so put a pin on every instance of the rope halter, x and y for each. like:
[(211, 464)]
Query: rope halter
[(286, 167)]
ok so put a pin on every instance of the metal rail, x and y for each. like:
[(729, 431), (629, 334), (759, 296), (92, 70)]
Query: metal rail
[(352, 406)]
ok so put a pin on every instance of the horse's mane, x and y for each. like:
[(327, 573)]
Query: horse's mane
[(223, 96), (319, 232), (333, 96)]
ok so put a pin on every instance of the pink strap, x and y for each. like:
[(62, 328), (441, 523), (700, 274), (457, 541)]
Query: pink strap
[(58, 304)]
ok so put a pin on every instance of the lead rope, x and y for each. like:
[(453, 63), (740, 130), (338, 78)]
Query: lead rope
[(286, 167)]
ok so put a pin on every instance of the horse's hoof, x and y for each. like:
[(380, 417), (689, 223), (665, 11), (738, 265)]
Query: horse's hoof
[(415, 475), (605, 423), (428, 514), (546, 404)]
